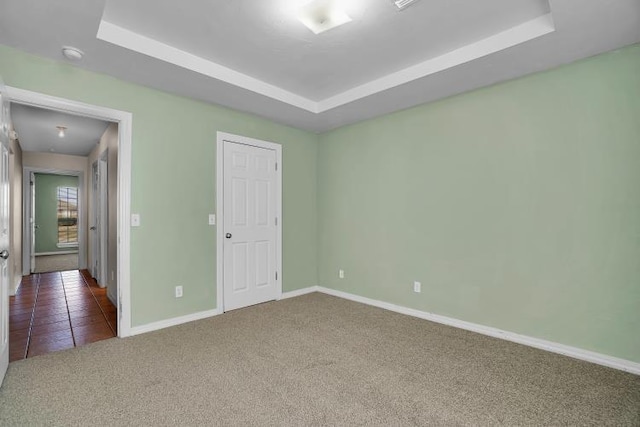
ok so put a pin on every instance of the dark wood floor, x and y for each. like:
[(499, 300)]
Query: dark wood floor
[(56, 311)]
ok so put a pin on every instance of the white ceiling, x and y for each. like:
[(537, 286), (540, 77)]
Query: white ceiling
[(255, 56), (36, 128)]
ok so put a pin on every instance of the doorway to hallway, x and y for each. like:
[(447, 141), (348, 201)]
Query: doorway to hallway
[(57, 311)]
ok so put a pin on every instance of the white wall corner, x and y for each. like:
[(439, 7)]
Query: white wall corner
[(574, 352)]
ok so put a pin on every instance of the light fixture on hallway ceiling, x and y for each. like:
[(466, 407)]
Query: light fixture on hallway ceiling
[(402, 4), (72, 53), (61, 131), (322, 15)]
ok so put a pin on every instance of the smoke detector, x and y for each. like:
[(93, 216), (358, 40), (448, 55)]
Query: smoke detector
[(403, 4), (72, 53)]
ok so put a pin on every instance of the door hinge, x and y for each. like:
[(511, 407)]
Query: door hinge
[(276, 221), (276, 165), (276, 275)]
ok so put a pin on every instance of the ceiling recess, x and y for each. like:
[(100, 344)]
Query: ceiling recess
[(402, 4)]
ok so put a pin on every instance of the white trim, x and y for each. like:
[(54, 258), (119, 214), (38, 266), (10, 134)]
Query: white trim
[(300, 292), (125, 123), (15, 288), (67, 245), (514, 36), (136, 42), (553, 347), (220, 138), (26, 211), (56, 253), (161, 324)]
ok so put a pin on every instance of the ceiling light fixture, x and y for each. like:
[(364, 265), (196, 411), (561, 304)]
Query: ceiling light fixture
[(61, 131), (402, 4), (322, 15), (72, 53)]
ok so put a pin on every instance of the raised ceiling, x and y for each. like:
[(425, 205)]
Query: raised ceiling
[(36, 128), (255, 56)]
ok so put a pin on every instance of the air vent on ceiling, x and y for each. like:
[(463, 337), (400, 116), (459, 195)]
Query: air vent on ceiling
[(402, 4)]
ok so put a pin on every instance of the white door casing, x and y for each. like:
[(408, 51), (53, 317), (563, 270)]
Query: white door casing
[(4, 232), (124, 120), (248, 224), (100, 220), (95, 221), (32, 222)]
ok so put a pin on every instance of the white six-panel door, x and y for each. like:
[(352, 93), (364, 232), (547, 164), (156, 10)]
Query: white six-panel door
[(250, 225), (250, 258), (4, 232)]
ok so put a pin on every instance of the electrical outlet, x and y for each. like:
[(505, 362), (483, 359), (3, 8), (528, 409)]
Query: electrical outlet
[(178, 291), (417, 287), (341, 274), (135, 220), (212, 219)]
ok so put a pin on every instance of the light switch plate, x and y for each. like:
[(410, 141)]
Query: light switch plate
[(212, 219), (135, 220)]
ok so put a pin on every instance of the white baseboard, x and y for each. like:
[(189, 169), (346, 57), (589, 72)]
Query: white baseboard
[(299, 292), (15, 288), (154, 326), (576, 353), (112, 298), (56, 253)]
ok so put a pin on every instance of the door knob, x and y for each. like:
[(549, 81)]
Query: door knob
[(92, 228), (228, 236), (4, 254)]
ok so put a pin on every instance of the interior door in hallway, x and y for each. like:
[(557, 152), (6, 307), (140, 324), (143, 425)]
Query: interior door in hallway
[(4, 232), (250, 263)]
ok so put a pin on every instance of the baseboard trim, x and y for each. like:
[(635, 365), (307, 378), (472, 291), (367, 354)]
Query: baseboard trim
[(299, 292), (15, 288), (112, 298), (154, 326), (574, 352), (56, 253)]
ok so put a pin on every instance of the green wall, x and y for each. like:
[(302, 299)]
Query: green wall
[(517, 206), (174, 157), (46, 209)]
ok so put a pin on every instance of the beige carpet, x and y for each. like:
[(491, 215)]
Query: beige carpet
[(49, 263), (314, 360)]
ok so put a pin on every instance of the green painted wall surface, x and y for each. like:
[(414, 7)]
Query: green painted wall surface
[(46, 209), (174, 157), (517, 206)]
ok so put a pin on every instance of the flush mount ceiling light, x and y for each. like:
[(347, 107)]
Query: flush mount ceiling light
[(61, 131), (322, 15), (402, 4), (72, 53)]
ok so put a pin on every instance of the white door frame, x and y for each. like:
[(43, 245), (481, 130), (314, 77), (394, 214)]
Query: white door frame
[(93, 196), (27, 250), (221, 137), (125, 122), (99, 215)]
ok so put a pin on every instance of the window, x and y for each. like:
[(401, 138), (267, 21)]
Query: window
[(67, 216)]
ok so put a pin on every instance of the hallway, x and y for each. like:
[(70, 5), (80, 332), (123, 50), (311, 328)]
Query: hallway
[(57, 311)]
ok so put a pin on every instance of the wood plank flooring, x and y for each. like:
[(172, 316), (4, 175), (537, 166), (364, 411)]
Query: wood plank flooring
[(57, 311)]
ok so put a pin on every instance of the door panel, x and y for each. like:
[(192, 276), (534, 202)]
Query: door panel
[(249, 225), (4, 232)]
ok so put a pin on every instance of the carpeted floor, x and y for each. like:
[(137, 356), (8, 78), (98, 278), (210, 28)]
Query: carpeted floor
[(314, 360), (50, 263)]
